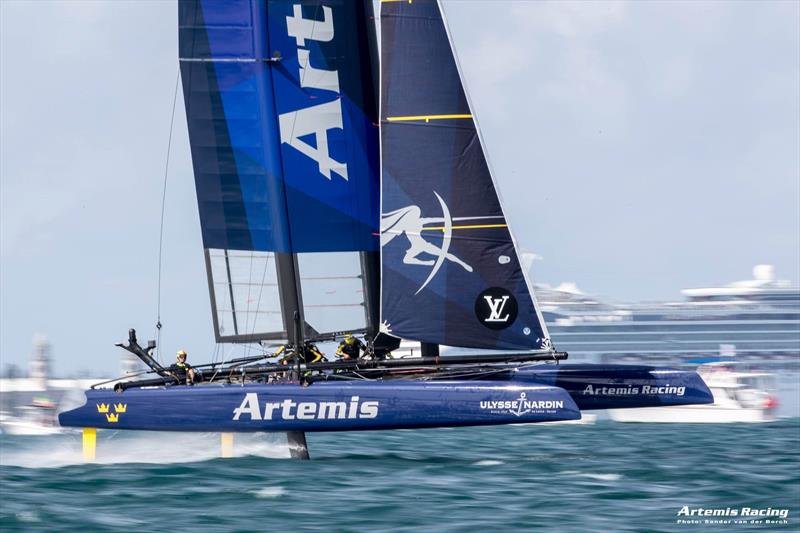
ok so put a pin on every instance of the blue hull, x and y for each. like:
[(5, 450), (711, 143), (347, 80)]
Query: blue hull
[(324, 406), (620, 386), (541, 393)]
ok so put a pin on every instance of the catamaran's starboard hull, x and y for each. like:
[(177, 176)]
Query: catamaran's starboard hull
[(620, 386), (326, 406)]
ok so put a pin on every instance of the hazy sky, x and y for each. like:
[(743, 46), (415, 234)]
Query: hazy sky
[(640, 148)]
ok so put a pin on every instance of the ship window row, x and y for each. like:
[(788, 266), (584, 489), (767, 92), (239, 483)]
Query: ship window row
[(702, 314), (671, 356), (639, 355), (765, 344), (719, 336), (792, 297), (678, 327)]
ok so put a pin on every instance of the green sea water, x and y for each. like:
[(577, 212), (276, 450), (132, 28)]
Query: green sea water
[(601, 477)]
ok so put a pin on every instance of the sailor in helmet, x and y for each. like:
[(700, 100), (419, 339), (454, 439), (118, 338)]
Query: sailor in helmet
[(183, 369), (310, 354), (350, 348)]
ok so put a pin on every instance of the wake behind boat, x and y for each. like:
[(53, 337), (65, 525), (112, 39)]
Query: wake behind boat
[(38, 418), (322, 216)]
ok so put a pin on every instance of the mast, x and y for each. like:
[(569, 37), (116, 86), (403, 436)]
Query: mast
[(371, 269), (371, 261), (291, 298)]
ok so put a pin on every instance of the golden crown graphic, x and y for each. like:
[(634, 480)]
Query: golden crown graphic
[(112, 417), (102, 407), (120, 407)]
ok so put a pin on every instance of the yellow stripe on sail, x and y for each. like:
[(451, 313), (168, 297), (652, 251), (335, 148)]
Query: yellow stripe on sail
[(426, 118), (476, 226)]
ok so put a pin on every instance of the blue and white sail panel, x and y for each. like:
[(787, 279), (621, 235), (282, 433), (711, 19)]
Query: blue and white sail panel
[(325, 84), (280, 101), (228, 95), (326, 101), (450, 271)]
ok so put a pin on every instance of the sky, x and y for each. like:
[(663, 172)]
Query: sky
[(640, 148)]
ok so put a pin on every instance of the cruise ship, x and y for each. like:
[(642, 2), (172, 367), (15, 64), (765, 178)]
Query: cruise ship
[(756, 320)]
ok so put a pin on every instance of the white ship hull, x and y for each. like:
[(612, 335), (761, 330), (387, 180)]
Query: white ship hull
[(690, 414)]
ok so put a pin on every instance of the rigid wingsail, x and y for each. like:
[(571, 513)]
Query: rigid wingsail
[(331, 203)]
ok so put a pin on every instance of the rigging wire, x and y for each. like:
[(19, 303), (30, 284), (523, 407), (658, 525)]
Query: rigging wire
[(248, 348), (163, 210), (258, 302)]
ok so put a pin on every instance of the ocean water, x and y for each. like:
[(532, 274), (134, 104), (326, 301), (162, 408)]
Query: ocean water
[(606, 476)]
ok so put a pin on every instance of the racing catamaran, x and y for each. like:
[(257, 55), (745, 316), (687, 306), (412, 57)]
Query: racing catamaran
[(343, 192)]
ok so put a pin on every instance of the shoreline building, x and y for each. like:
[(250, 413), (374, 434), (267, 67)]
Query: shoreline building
[(38, 387)]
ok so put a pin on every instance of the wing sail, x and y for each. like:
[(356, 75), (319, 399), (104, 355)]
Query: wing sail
[(283, 132)]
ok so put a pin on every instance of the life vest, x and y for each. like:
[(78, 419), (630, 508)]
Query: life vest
[(312, 354)]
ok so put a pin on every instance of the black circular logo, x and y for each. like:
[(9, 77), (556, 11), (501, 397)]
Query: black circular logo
[(496, 308)]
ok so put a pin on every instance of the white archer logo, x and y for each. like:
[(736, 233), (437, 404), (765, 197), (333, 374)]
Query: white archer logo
[(409, 221), (496, 306)]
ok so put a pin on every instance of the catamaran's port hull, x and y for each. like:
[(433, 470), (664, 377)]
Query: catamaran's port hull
[(324, 406)]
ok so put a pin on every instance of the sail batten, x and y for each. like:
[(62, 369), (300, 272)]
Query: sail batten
[(426, 118), (451, 273)]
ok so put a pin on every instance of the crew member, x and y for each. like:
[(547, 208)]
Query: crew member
[(183, 368), (286, 359), (309, 354), (350, 348), (312, 353)]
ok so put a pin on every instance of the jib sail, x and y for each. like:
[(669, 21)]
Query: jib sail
[(450, 272), (281, 106)]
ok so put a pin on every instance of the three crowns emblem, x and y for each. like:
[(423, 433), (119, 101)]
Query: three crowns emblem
[(103, 408)]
